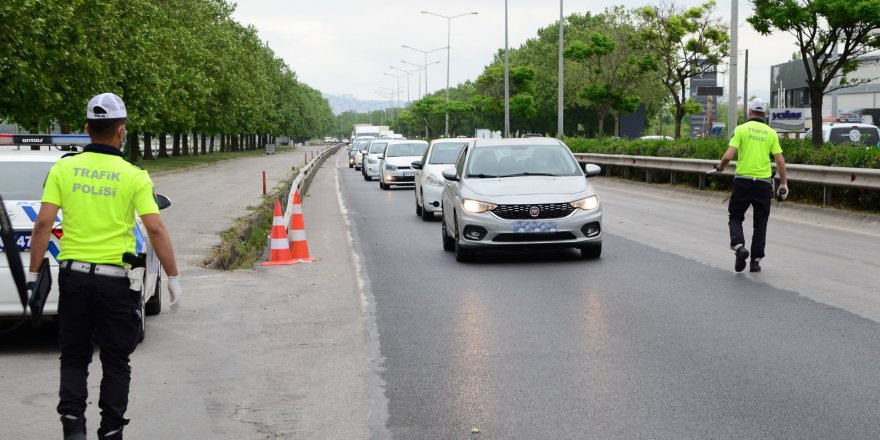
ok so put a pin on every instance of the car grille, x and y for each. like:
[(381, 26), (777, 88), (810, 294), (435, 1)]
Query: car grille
[(519, 212), (533, 236), (404, 179)]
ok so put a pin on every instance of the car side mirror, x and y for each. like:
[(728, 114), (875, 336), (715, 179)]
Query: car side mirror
[(162, 201), (592, 170), (416, 164), (380, 157), (449, 174)]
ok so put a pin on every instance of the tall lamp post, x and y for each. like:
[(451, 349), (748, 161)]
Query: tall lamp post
[(506, 78), (398, 88), (560, 100), (408, 74), (424, 52), (421, 67), (448, 52), (731, 91)]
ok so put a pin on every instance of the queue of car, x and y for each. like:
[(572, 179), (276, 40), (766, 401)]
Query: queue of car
[(492, 194), (22, 174)]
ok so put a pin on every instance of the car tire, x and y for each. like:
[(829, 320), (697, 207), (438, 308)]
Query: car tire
[(351, 165), (462, 255), (591, 252), (384, 186), (367, 178), (448, 242), (142, 330), (154, 304), (419, 209)]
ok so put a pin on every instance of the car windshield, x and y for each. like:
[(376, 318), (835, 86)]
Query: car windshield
[(522, 160), (378, 147), (23, 180), (445, 153), (397, 150), (856, 134), (362, 146)]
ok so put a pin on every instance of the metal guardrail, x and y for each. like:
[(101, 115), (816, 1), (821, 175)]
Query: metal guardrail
[(304, 178), (828, 177)]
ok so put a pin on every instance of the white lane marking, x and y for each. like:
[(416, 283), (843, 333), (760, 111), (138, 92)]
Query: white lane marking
[(355, 258)]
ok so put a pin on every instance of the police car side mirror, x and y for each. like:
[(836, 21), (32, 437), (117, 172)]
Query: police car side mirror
[(162, 201)]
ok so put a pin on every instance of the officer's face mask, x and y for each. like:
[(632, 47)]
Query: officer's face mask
[(124, 142)]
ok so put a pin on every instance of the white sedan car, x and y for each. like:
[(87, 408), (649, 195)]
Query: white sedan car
[(395, 166), (441, 154), (22, 174), (371, 158)]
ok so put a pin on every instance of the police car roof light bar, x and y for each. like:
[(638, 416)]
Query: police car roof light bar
[(44, 139)]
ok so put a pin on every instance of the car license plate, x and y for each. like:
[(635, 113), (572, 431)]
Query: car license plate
[(527, 227), (22, 241), (408, 173)]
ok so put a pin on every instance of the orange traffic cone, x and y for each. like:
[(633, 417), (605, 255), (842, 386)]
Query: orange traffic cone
[(279, 250), (299, 245)]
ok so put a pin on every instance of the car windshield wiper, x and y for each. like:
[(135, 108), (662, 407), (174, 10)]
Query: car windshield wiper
[(528, 174), (483, 176)]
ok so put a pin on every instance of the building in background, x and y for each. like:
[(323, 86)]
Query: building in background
[(788, 89)]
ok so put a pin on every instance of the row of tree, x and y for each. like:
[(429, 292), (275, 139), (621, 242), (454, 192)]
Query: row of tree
[(182, 66), (622, 58)]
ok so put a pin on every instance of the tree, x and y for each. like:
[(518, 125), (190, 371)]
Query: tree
[(819, 27), (685, 43), (615, 65), (458, 111)]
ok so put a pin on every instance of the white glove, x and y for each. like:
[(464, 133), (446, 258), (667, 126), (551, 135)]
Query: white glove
[(174, 292), (782, 192), (31, 281)]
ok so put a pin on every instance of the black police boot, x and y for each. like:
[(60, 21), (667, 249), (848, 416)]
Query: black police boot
[(110, 433), (74, 427), (755, 265), (742, 254)]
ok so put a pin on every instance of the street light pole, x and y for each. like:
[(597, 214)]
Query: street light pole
[(507, 77), (731, 93), (425, 52), (561, 71), (408, 74), (398, 89), (448, 53)]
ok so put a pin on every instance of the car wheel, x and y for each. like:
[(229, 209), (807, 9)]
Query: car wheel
[(367, 178), (384, 186), (462, 255), (591, 252), (351, 165), (154, 304), (418, 207), (448, 242), (142, 330)]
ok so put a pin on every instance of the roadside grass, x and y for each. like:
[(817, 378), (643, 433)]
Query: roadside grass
[(243, 244), (184, 162)]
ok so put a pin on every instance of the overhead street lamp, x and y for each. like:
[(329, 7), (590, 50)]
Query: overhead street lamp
[(448, 51), (398, 88), (425, 52), (421, 67), (561, 68), (506, 77), (408, 74)]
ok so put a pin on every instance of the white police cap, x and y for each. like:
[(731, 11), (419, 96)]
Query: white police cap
[(106, 106)]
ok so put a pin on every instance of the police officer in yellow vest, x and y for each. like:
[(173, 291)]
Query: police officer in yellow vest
[(753, 143), (100, 193)]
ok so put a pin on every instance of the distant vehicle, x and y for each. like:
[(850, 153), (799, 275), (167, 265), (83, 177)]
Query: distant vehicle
[(371, 158), (395, 166), (429, 183), (519, 193), (358, 146), (328, 139), (533, 135), (656, 138), (365, 130), (839, 133)]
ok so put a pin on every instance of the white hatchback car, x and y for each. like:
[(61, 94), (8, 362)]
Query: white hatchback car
[(441, 154), (371, 158), (22, 174), (395, 166)]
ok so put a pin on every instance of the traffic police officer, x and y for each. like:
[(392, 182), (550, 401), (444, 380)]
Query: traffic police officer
[(100, 193), (753, 143)]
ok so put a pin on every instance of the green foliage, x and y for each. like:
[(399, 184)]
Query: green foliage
[(180, 65), (818, 27)]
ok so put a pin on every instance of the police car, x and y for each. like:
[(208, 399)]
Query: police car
[(22, 174)]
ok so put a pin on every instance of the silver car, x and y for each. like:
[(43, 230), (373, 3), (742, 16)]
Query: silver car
[(519, 193)]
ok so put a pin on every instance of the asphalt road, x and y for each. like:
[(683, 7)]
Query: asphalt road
[(647, 342)]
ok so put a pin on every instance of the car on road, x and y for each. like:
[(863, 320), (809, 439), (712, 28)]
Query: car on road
[(839, 133), (395, 166), (22, 174), (358, 146), (371, 158), (429, 182), (519, 193), (652, 137)]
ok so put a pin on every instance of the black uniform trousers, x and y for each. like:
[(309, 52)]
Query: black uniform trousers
[(103, 309), (755, 193)]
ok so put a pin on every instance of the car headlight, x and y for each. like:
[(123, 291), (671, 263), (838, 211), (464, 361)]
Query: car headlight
[(476, 207), (390, 167), (587, 204), (434, 180)]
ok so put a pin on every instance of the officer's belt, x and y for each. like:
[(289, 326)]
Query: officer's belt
[(107, 270), (768, 180)]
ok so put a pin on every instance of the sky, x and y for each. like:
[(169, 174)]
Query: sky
[(345, 47)]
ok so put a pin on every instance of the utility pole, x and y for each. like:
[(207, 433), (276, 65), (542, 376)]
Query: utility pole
[(507, 77), (746, 88), (731, 93), (561, 69)]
